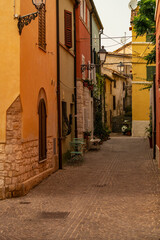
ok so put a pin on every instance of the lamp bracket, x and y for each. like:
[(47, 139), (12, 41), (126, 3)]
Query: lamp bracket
[(26, 20)]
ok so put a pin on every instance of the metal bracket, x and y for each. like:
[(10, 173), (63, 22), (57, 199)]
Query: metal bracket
[(26, 20)]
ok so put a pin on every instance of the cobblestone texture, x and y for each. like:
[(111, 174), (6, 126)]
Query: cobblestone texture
[(114, 195)]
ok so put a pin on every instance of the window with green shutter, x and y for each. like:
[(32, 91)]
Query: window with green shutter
[(151, 70)]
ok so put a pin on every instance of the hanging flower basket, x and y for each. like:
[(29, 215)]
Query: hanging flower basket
[(90, 87), (85, 83)]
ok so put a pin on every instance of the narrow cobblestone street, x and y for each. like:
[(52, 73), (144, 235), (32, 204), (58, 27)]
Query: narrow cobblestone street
[(114, 195)]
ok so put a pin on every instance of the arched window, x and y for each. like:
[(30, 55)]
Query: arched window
[(42, 130)]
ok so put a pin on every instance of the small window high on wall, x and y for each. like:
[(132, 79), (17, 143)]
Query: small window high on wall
[(42, 130)]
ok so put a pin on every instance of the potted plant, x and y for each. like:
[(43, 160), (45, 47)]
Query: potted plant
[(90, 85), (149, 129), (149, 134), (85, 83), (86, 134)]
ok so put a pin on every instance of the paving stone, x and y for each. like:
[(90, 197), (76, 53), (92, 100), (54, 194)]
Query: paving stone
[(113, 195)]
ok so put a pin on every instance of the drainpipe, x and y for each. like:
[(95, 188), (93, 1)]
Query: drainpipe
[(75, 70), (155, 115), (58, 90), (91, 39)]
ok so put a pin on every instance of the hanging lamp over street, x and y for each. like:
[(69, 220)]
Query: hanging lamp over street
[(102, 54), (120, 67)]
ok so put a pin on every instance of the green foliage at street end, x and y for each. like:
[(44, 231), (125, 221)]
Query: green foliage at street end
[(144, 23)]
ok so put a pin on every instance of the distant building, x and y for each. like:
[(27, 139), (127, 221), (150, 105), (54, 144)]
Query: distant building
[(118, 86), (142, 77)]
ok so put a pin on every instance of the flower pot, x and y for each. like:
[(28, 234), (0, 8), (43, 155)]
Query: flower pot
[(85, 84), (129, 133), (90, 87)]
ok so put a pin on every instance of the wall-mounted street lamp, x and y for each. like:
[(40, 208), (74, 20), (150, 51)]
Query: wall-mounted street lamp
[(102, 55), (120, 67), (88, 67), (26, 19)]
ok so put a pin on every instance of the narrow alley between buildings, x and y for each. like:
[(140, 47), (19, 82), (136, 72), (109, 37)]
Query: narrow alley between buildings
[(113, 195)]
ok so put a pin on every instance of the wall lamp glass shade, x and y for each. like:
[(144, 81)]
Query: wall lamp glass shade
[(120, 67), (39, 3), (102, 54)]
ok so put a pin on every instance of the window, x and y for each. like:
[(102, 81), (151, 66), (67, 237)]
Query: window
[(84, 11), (114, 102), (66, 127), (148, 37), (42, 28), (123, 86), (151, 70), (68, 28), (42, 130), (83, 63), (114, 83), (111, 88), (81, 9), (89, 71)]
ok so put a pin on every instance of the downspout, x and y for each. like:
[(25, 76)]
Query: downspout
[(75, 70), (155, 115), (58, 90), (91, 39)]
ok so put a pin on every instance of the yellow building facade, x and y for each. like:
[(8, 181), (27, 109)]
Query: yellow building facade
[(9, 61), (141, 79)]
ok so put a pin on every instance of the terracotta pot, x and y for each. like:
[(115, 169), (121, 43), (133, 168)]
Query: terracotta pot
[(85, 84), (128, 133), (90, 87)]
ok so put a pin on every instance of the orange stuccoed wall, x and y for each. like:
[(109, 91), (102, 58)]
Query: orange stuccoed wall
[(38, 70)]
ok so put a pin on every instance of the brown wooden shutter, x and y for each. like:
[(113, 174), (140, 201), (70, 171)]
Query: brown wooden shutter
[(68, 28), (42, 130), (42, 28)]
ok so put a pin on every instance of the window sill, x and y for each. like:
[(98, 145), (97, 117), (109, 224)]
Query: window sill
[(41, 48), (42, 161)]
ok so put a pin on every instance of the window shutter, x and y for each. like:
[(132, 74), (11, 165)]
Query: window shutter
[(85, 119), (114, 103), (84, 18), (150, 72), (42, 28), (68, 28), (81, 8)]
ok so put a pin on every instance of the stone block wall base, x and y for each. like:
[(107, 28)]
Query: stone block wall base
[(23, 188), (139, 128)]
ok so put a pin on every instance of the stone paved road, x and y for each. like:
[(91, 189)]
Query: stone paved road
[(114, 195)]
